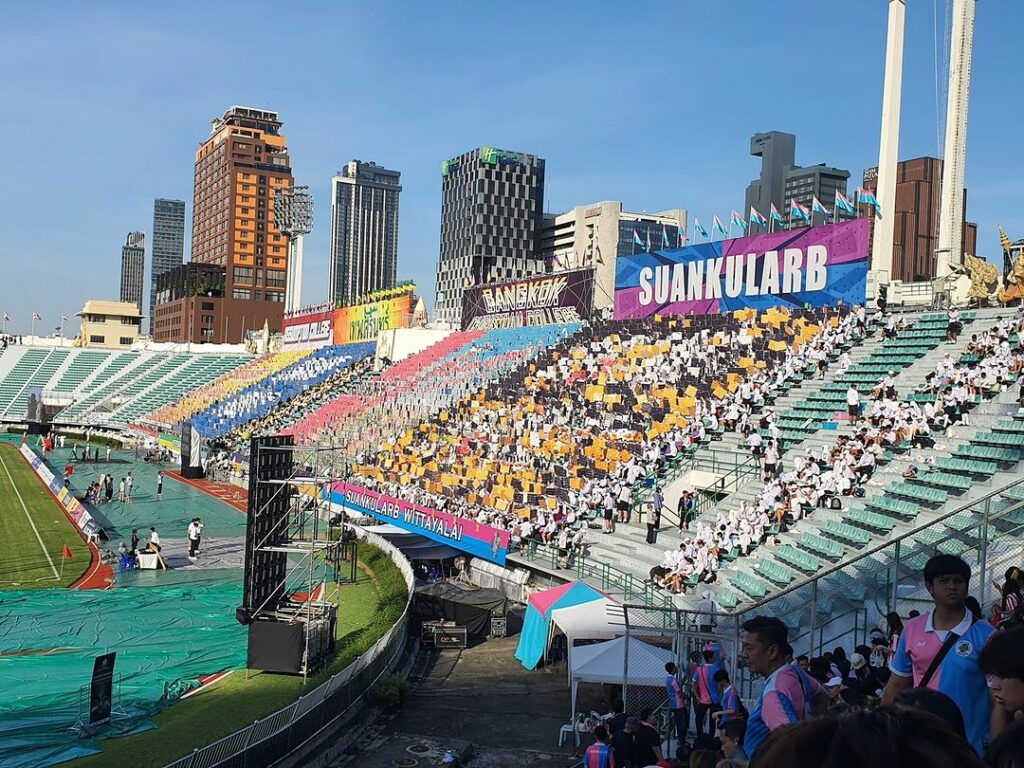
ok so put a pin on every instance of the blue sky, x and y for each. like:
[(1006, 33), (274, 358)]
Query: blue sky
[(653, 104)]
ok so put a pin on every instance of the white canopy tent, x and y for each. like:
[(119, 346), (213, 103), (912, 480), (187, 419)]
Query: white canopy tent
[(606, 663), (597, 620)]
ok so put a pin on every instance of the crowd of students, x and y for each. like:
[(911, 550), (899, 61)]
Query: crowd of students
[(945, 688), (814, 479), (581, 428)]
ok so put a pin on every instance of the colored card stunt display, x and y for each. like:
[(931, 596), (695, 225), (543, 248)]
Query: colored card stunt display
[(474, 538), (565, 297), (816, 266)]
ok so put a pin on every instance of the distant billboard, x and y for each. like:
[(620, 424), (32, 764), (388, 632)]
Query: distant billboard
[(564, 297), (364, 321), (34, 404), (815, 266), (314, 329)]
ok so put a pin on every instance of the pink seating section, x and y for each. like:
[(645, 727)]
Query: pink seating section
[(400, 378)]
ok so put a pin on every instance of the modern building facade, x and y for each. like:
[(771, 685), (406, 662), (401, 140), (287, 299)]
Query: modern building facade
[(133, 268), (596, 235), (364, 231), (238, 168), (168, 245), (110, 324), (777, 151), (916, 218), (191, 306), (782, 181), (803, 184), (492, 211)]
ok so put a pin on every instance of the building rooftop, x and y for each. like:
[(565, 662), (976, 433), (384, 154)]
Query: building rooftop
[(106, 307)]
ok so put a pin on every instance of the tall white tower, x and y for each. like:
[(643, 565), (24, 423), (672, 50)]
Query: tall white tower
[(951, 212), (293, 216), (889, 145)]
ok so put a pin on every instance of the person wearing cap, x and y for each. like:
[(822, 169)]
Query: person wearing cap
[(834, 686)]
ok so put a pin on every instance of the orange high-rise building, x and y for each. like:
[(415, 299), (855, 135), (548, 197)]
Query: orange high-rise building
[(238, 169)]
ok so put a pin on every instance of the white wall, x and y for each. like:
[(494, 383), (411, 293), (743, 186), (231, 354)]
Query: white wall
[(400, 343)]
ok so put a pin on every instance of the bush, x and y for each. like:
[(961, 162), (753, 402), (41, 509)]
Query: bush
[(389, 693)]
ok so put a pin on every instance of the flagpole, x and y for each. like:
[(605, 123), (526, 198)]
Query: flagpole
[(33, 326)]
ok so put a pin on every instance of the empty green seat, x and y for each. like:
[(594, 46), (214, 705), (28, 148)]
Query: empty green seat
[(749, 585), (919, 493), (946, 480), (774, 572), (898, 507), (800, 560), (971, 466), (864, 518), (822, 546), (847, 532)]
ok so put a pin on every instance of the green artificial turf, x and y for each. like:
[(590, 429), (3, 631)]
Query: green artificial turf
[(24, 502), (367, 610)]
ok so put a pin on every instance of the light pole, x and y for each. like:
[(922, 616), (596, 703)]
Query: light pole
[(293, 216)]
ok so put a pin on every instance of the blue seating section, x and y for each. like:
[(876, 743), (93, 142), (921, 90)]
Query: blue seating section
[(501, 341), (259, 399)]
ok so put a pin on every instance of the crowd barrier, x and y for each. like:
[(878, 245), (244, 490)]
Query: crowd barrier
[(271, 739)]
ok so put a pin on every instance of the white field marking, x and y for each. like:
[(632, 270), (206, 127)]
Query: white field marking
[(30, 520)]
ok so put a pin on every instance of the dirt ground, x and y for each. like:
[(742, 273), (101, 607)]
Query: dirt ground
[(484, 697)]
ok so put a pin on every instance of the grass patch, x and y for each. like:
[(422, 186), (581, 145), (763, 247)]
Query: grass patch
[(24, 562), (368, 609)]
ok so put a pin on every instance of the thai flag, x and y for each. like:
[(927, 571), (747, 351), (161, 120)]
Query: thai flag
[(863, 196), (817, 207), (36, 316), (737, 218), (843, 203), (776, 216), (63, 318), (757, 218), (7, 318), (798, 211)]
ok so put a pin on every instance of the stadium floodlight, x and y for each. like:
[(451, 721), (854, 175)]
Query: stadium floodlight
[(293, 216)]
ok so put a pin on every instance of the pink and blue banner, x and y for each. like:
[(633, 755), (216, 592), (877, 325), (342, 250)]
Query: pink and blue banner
[(477, 539), (814, 266)]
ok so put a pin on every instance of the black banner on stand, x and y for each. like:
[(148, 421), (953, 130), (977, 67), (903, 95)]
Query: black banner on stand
[(101, 692)]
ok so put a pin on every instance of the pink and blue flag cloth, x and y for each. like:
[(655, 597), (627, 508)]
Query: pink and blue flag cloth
[(699, 227), (798, 211), (737, 218), (843, 203), (817, 207), (757, 218), (637, 239), (864, 196), (775, 215), (716, 223)]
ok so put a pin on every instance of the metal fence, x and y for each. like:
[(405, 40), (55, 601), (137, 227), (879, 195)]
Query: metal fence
[(841, 603), (272, 738)]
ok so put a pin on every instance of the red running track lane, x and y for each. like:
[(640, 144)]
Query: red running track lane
[(226, 492), (99, 575)]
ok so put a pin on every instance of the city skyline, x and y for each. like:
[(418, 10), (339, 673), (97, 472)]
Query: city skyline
[(666, 150)]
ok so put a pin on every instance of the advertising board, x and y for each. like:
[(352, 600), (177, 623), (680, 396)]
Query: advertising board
[(565, 297)]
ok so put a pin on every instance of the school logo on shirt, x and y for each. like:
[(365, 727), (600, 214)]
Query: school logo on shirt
[(964, 648)]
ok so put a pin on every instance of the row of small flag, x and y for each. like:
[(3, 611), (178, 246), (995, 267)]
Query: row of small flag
[(35, 316), (796, 211)]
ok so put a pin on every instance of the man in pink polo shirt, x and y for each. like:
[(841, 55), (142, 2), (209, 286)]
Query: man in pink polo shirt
[(940, 650)]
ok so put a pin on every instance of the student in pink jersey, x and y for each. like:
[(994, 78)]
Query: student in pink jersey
[(599, 754), (940, 650), (789, 695)]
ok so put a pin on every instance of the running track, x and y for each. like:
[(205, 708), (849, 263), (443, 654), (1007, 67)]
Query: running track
[(229, 494)]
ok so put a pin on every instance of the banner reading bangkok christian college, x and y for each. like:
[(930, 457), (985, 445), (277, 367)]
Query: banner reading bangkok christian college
[(477, 539), (819, 266), (563, 297)]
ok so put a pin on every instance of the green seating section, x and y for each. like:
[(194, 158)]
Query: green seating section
[(968, 466), (819, 545), (800, 560), (863, 518), (987, 453), (80, 368), (15, 381), (920, 493), (774, 572), (894, 506), (946, 480), (847, 532), (749, 585)]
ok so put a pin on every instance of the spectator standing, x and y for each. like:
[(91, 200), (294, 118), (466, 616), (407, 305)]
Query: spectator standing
[(677, 702), (731, 705), (160, 485), (647, 749), (120, 491), (789, 695), (940, 650), (599, 754), (624, 742), (707, 614), (853, 401), (129, 485), (706, 697)]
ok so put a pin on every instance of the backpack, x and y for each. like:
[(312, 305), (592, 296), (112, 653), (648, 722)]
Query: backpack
[(858, 491), (835, 502)]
